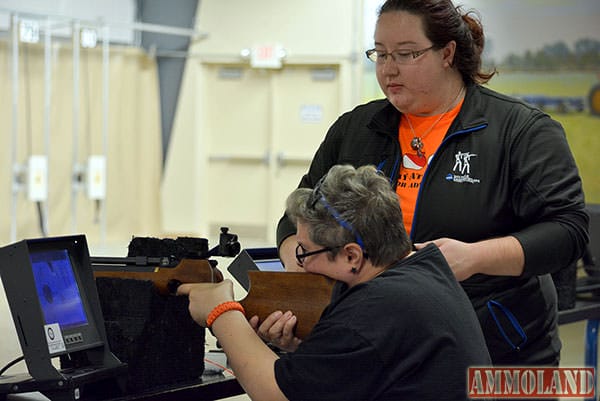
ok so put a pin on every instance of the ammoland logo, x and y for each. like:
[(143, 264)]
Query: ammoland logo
[(531, 382)]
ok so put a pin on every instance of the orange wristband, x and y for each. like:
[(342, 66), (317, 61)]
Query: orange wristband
[(222, 308)]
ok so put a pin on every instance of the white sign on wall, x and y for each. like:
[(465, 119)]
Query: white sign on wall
[(311, 113), (267, 56)]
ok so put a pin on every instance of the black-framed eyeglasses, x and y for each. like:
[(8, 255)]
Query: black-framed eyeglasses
[(401, 57), (301, 253)]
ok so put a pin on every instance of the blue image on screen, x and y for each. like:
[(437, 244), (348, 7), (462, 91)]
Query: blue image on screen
[(57, 288), (269, 265)]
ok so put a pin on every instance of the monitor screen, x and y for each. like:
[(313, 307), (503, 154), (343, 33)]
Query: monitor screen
[(262, 259), (57, 288), (273, 265)]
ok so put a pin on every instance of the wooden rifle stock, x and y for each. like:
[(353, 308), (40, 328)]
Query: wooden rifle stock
[(166, 279), (305, 294)]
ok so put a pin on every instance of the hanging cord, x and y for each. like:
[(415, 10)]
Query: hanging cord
[(87, 99), (39, 204), (26, 83), (87, 94), (40, 210)]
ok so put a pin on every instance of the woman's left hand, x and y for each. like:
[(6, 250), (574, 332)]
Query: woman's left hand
[(501, 256), (278, 329), (204, 297), (457, 255)]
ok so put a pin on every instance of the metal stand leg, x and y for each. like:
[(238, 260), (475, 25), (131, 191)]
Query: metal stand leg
[(591, 349)]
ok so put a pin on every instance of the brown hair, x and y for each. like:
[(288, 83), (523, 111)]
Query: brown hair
[(444, 22)]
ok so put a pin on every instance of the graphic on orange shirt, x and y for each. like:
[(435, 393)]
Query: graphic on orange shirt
[(414, 161), (413, 166)]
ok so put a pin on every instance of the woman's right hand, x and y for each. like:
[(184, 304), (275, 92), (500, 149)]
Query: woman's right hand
[(278, 330)]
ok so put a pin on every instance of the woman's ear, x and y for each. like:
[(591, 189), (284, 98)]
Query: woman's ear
[(354, 255), (448, 53)]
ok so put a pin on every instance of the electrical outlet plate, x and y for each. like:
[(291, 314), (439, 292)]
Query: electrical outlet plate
[(29, 31), (96, 177), (37, 178), (88, 38)]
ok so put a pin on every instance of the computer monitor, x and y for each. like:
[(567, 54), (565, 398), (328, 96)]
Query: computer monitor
[(54, 303), (262, 259), (63, 297)]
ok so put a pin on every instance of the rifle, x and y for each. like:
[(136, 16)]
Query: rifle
[(305, 294)]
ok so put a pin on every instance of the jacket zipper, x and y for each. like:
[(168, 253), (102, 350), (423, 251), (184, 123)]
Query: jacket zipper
[(446, 139)]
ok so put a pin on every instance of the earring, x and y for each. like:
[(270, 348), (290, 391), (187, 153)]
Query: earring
[(354, 270)]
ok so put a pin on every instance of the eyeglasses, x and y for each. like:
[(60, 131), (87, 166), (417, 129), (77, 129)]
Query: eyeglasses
[(301, 256), (401, 57)]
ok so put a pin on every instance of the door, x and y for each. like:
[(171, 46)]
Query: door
[(261, 129)]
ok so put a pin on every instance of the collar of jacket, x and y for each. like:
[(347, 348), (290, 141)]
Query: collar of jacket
[(470, 116)]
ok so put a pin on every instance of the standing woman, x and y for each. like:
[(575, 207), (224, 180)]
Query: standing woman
[(488, 179)]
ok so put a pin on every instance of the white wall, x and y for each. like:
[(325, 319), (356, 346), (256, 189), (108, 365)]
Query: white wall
[(312, 32), (9, 344)]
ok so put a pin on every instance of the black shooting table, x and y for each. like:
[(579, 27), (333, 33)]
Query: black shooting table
[(218, 386), (209, 387)]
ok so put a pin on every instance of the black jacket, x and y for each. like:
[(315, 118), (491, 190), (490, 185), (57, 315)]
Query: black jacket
[(504, 168)]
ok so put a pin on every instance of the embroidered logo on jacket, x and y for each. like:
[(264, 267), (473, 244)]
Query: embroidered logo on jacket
[(461, 172)]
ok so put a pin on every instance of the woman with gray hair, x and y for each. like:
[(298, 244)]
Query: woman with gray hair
[(399, 326), (339, 210)]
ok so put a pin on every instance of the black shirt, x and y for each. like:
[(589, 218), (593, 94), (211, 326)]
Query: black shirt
[(408, 334)]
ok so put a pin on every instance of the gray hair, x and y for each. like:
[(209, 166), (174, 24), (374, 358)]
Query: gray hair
[(353, 205)]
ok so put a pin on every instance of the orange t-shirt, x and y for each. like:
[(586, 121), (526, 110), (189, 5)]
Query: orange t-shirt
[(413, 167)]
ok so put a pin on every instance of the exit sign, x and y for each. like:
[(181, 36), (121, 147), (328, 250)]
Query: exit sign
[(267, 56)]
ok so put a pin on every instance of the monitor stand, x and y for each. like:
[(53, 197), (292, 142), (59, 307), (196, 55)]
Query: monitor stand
[(78, 386)]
